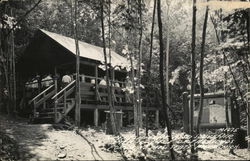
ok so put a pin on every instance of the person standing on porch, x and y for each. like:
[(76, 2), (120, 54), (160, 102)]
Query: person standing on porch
[(47, 81), (66, 79), (103, 82)]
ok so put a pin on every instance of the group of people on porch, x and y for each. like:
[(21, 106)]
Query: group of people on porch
[(67, 78)]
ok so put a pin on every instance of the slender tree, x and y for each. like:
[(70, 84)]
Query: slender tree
[(111, 107), (132, 70), (248, 88), (167, 58), (163, 88), (139, 69), (201, 70), (150, 60), (13, 72), (192, 78), (77, 94)]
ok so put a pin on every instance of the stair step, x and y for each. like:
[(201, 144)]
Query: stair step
[(40, 120), (51, 109), (44, 113), (62, 104), (45, 117)]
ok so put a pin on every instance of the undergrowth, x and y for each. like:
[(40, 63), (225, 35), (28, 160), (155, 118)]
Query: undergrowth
[(156, 145)]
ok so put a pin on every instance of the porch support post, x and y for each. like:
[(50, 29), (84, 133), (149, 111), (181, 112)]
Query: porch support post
[(56, 89), (121, 121), (96, 83), (157, 118), (96, 117)]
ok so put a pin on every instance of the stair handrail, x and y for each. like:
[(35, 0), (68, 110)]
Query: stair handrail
[(40, 94), (57, 94)]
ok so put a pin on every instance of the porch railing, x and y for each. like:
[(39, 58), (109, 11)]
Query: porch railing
[(62, 96), (42, 97)]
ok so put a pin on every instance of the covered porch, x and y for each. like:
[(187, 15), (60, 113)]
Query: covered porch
[(54, 54)]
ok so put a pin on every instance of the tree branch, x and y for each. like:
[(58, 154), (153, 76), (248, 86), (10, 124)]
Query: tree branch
[(21, 19)]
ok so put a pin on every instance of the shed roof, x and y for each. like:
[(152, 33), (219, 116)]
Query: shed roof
[(87, 50)]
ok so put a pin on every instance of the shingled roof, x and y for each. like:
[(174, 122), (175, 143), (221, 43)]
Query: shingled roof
[(47, 51), (87, 50)]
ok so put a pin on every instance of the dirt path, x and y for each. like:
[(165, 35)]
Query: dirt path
[(43, 142)]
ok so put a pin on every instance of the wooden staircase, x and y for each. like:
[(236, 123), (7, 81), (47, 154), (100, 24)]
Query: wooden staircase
[(55, 106)]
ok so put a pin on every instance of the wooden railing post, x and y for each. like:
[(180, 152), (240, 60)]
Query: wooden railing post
[(34, 111), (44, 103), (64, 101), (55, 102), (96, 89), (55, 110)]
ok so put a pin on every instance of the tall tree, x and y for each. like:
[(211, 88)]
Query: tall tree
[(10, 22), (77, 94), (167, 57), (111, 107), (139, 69), (192, 78), (201, 70), (150, 60), (163, 88), (129, 26), (248, 99)]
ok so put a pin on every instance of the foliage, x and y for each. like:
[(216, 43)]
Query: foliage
[(155, 146)]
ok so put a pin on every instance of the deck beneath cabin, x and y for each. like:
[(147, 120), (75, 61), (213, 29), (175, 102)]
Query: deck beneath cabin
[(55, 104)]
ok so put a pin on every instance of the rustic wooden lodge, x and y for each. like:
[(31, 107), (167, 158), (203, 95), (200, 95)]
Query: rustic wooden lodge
[(54, 54)]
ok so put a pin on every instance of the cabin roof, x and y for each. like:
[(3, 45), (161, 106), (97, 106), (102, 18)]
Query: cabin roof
[(47, 51), (87, 50)]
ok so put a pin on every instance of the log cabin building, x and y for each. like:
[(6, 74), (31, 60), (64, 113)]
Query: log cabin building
[(53, 54)]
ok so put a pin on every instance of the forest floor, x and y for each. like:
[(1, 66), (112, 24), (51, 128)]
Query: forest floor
[(43, 142), (20, 140)]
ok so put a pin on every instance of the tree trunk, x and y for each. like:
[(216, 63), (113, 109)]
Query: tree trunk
[(111, 107), (77, 95), (248, 88), (139, 70), (167, 61), (13, 71), (132, 77), (225, 94), (163, 91), (248, 40), (13, 74), (201, 71), (150, 60), (192, 92)]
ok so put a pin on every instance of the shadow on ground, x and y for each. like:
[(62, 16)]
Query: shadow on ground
[(21, 137)]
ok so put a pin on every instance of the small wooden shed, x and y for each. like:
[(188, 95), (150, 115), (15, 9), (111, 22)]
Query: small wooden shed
[(214, 111)]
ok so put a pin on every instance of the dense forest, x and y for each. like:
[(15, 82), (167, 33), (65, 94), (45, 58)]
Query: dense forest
[(173, 46)]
